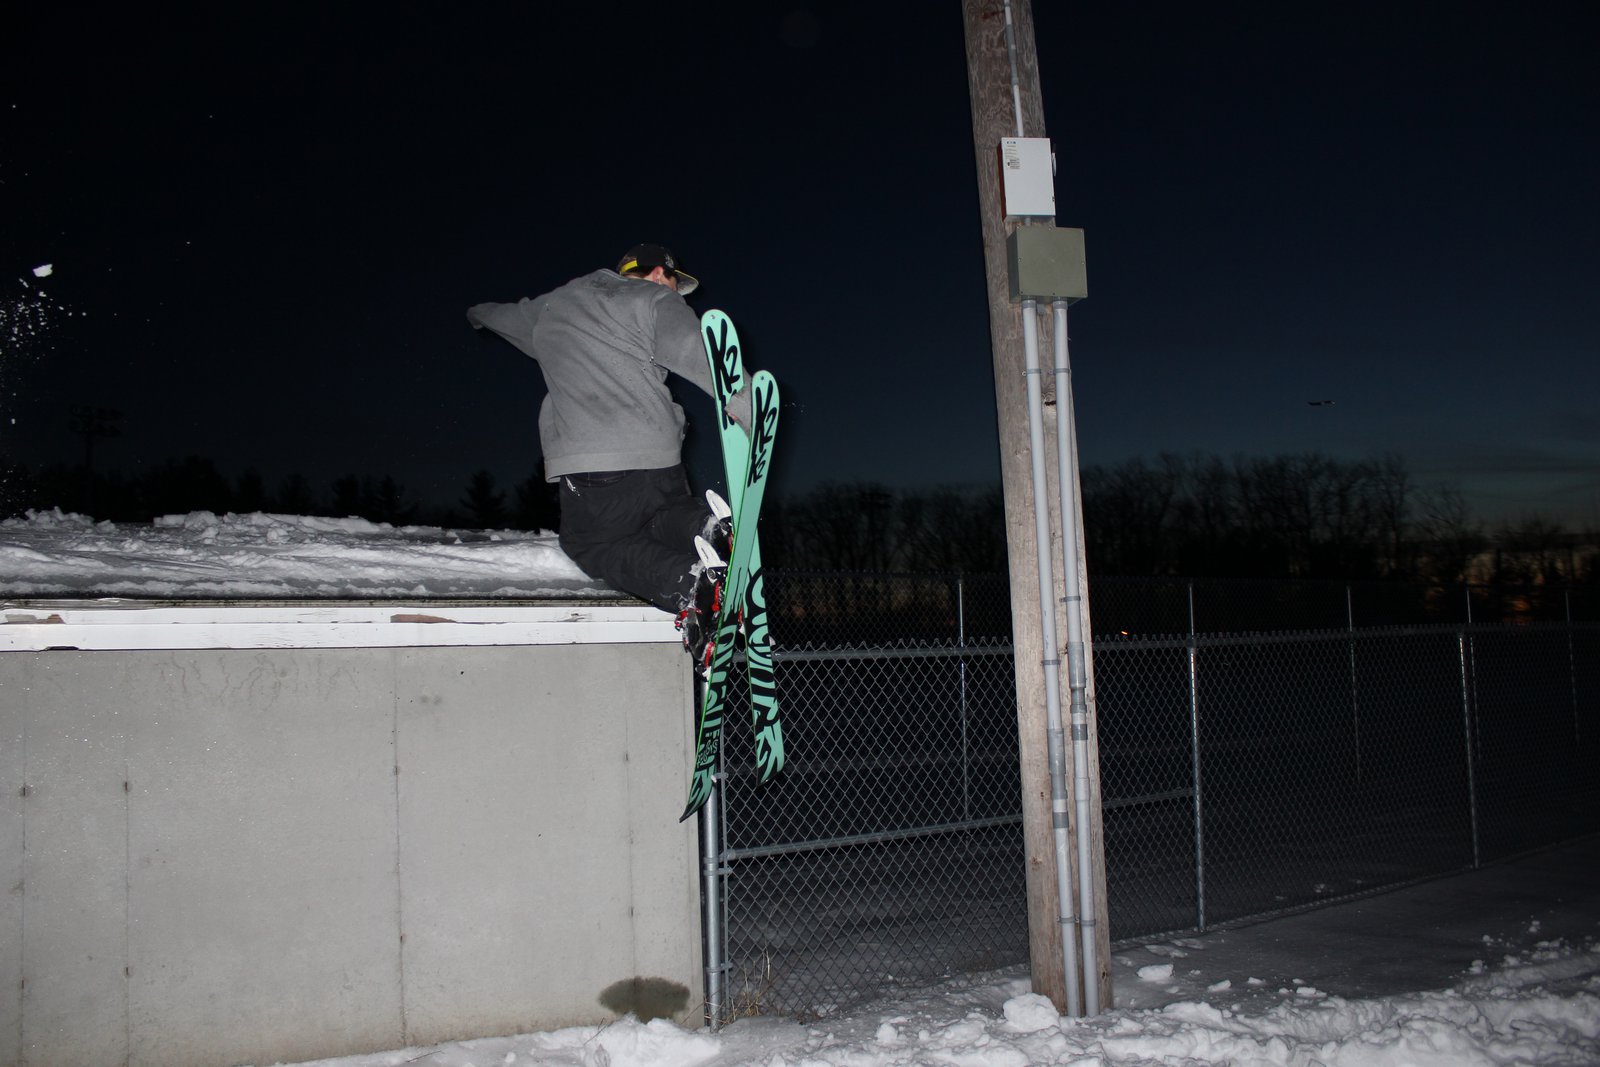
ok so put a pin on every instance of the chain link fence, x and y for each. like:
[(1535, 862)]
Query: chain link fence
[(890, 849), (1264, 746), (1249, 773)]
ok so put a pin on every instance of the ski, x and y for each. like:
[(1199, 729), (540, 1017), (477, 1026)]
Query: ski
[(727, 377), (746, 462), (758, 639)]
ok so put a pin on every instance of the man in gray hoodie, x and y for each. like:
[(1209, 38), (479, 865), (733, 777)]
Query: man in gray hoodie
[(611, 432)]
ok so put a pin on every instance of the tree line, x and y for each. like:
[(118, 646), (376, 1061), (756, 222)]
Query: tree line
[(1309, 515), (1304, 516), (193, 483), (1286, 516)]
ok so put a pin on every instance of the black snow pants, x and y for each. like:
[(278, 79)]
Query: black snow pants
[(634, 530)]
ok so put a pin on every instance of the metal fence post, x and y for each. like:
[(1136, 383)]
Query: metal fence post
[(1355, 698), (711, 872), (961, 643), (1572, 669), (1194, 764), (1472, 761)]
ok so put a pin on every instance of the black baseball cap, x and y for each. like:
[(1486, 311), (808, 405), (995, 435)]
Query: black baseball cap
[(647, 258)]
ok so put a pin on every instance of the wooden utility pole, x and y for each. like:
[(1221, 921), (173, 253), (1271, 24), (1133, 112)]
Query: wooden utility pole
[(994, 116)]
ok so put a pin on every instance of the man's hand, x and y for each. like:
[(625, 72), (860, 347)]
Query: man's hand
[(738, 409)]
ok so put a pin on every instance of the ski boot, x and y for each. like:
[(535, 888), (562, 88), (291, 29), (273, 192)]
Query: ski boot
[(697, 618)]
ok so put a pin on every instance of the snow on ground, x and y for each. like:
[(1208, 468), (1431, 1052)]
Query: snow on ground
[(202, 555), (1497, 966), (1544, 1012)]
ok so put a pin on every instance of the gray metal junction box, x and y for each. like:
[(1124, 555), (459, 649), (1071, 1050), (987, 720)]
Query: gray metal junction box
[(1047, 263)]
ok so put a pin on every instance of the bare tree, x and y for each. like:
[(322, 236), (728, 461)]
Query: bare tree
[(486, 505), (1533, 551), (1310, 515), (951, 530), (1449, 536), (1279, 507), (846, 527), (1206, 517), (347, 499), (294, 497), (1126, 509), (1391, 495), (386, 501)]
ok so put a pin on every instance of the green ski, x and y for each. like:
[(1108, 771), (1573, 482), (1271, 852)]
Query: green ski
[(747, 459)]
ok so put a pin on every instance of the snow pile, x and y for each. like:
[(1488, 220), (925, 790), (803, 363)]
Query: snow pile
[(1544, 1011), (202, 555)]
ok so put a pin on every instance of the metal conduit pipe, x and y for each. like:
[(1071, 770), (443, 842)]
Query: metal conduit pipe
[(1011, 53), (1052, 662), (711, 873), (1077, 656)]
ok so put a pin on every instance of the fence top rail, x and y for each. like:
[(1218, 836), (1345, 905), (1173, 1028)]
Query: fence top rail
[(890, 575), (1287, 637), (1283, 581), (972, 649), (1116, 642), (1225, 580)]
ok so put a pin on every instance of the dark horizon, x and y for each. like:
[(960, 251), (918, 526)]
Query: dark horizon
[(263, 234), (1305, 516)]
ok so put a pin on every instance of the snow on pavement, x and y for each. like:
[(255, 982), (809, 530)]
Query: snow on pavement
[(1498, 966), (1545, 1012)]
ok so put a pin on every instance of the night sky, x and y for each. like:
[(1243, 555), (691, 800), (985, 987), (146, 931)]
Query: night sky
[(266, 223)]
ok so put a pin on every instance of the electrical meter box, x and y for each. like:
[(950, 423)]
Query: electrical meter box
[(1047, 264), (1027, 177)]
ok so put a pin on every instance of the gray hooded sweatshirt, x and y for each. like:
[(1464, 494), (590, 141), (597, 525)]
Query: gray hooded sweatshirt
[(605, 344)]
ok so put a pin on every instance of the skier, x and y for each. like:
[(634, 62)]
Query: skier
[(612, 434)]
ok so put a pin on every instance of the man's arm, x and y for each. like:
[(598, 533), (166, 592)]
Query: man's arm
[(514, 322), (680, 350)]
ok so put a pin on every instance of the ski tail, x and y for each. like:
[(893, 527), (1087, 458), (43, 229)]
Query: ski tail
[(719, 507)]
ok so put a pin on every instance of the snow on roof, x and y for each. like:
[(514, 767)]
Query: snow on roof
[(203, 556)]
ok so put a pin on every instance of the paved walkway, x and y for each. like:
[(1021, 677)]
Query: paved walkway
[(1425, 936)]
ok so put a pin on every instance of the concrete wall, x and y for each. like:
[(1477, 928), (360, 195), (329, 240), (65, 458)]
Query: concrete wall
[(218, 857)]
